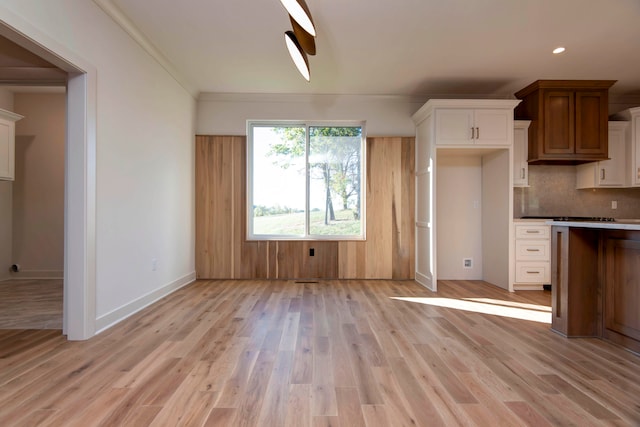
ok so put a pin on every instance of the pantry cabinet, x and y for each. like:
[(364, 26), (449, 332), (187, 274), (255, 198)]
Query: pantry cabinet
[(464, 193), (568, 120), (7, 144)]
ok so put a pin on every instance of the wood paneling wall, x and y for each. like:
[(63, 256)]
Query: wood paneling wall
[(222, 251)]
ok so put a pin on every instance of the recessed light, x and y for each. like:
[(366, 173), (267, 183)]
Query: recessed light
[(558, 50)]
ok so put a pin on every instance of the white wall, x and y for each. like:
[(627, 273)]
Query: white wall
[(227, 114), (145, 157), (459, 213), (6, 196), (38, 190)]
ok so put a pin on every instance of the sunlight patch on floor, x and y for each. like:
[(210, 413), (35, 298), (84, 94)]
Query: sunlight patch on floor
[(515, 310)]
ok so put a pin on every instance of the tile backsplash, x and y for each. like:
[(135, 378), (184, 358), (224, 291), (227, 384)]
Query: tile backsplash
[(552, 192)]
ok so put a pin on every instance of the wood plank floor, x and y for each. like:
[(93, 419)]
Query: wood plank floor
[(31, 304), (332, 353)]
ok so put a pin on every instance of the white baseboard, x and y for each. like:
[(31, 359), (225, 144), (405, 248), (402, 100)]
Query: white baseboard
[(425, 281), (529, 287), (37, 274), (119, 314)]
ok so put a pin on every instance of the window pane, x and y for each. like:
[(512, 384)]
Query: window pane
[(334, 189), (279, 182)]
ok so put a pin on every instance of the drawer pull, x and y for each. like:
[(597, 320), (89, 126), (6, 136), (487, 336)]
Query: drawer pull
[(533, 250), (533, 231), (533, 272)]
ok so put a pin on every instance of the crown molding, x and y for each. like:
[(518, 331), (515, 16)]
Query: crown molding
[(130, 28)]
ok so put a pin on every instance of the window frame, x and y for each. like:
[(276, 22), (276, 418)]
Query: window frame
[(251, 124)]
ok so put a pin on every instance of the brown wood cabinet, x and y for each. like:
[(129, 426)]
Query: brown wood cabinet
[(569, 120), (574, 281), (595, 284), (622, 289)]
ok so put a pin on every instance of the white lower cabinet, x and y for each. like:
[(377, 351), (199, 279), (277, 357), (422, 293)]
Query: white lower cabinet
[(532, 255)]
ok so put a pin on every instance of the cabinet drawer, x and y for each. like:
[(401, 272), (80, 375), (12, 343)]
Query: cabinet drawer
[(533, 272), (532, 231), (532, 250)]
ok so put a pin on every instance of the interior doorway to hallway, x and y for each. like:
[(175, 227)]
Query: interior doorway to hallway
[(79, 78)]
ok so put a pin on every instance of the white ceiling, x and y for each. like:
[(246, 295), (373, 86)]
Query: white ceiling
[(395, 47)]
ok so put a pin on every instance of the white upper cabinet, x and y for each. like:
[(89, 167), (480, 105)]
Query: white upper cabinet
[(485, 126), (633, 139), (521, 153), (7, 144), (631, 127), (607, 173)]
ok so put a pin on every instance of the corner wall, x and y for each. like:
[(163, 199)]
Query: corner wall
[(38, 190)]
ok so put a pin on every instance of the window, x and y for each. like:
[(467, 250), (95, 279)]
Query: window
[(305, 181)]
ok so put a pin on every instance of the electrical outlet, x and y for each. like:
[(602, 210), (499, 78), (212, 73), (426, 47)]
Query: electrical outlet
[(614, 204), (154, 264), (312, 252), (467, 262)]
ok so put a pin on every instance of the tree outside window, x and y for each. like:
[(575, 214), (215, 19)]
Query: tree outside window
[(305, 181)]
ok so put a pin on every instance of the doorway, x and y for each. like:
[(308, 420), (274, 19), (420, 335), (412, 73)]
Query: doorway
[(80, 170)]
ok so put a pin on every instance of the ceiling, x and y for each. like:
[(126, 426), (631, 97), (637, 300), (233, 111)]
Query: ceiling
[(421, 48), (404, 47)]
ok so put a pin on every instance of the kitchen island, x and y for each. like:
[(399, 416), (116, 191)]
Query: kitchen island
[(595, 280)]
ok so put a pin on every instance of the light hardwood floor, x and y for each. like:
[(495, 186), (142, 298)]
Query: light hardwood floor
[(332, 353), (31, 304)]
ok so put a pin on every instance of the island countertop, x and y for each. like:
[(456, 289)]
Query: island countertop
[(618, 224)]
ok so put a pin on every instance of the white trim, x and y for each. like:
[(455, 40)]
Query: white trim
[(119, 314), (130, 28), (425, 281), (426, 110), (524, 287)]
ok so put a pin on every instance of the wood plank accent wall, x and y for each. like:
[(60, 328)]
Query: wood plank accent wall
[(222, 251)]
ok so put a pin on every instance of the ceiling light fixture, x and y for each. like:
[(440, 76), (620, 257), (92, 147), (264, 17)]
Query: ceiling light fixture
[(306, 40), (297, 54), (299, 11), (558, 50)]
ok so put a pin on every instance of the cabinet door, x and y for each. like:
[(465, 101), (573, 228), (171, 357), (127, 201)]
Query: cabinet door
[(591, 123), (611, 173), (454, 127), (559, 122), (6, 150), (493, 127), (622, 288), (635, 141), (520, 154)]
